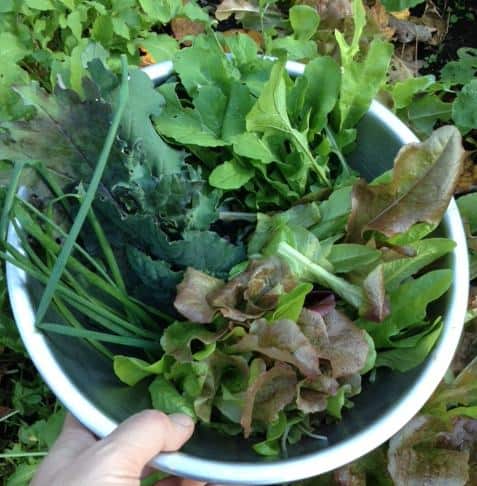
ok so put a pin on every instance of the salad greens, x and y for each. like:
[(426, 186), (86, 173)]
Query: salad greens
[(227, 236)]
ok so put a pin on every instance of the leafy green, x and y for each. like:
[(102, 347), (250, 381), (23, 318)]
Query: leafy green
[(166, 398), (407, 357), (360, 81), (463, 70), (271, 391), (290, 305), (426, 251), (408, 305), (230, 175), (282, 341), (270, 113), (306, 269), (346, 257), (132, 370), (464, 107), (192, 292), (304, 21), (409, 198)]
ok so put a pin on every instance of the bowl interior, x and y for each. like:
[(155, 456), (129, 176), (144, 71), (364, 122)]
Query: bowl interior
[(379, 139)]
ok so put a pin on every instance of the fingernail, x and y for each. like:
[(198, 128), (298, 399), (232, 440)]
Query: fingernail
[(182, 419)]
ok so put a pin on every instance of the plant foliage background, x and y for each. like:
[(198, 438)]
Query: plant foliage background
[(431, 80)]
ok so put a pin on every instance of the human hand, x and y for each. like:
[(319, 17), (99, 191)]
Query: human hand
[(120, 459)]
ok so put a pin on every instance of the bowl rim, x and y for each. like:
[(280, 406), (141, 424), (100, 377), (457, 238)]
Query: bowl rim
[(283, 470)]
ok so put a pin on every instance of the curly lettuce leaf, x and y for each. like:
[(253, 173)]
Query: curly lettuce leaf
[(269, 393)]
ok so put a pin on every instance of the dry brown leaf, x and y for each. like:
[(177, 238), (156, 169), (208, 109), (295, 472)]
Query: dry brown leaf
[(4, 411), (402, 14), (434, 21), (146, 58), (183, 27), (468, 179), (407, 31), (380, 18), (235, 7), (253, 34)]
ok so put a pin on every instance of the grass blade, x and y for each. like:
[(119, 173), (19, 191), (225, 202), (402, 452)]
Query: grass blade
[(99, 336), (87, 201), (10, 198)]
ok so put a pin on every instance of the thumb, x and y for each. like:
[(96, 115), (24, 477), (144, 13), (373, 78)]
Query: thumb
[(138, 439)]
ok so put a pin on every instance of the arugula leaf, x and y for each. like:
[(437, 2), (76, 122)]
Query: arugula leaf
[(408, 305), (215, 119), (426, 251), (322, 90), (304, 21), (347, 257), (204, 64), (270, 113), (334, 214), (360, 81), (242, 47), (230, 175)]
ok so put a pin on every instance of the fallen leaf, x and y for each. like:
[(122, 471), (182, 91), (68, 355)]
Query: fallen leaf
[(183, 27), (379, 17), (253, 34), (4, 411), (238, 8), (145, 57), (406, 31), (402, 14)]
